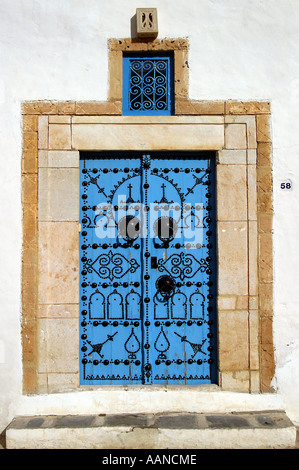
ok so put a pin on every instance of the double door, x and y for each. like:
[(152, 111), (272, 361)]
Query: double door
[(147, 268)]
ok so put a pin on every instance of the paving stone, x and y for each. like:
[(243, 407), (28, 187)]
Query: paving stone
[(73, 421), (180, 421), (126, 420), (227, 421), (35, 423), (265, 420)]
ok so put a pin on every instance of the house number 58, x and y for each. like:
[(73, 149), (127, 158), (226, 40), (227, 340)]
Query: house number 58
[(286, 185)]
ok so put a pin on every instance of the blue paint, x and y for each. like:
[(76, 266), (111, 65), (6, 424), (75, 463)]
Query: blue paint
[(130, 331)]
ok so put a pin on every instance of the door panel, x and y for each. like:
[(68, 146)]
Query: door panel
[(110, 296), (148, 269)]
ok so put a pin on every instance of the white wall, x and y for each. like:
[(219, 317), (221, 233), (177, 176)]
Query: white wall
[(239, 49)]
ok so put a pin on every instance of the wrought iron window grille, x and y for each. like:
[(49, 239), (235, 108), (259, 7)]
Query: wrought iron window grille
[(148, 84)]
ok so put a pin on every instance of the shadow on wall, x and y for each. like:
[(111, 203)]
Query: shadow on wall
[(133, 25)]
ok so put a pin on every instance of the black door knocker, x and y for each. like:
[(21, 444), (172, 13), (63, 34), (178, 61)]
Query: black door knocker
[(165, 286)]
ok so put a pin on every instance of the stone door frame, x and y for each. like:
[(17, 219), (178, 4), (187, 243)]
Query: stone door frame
[(53, 135)]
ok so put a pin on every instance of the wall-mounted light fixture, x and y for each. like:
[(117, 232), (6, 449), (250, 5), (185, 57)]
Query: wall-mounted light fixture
[(147, 22)]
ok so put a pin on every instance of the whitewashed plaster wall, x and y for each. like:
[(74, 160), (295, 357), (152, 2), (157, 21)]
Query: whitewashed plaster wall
[(239, 49)]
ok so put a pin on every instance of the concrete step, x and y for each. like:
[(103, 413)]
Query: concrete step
[(253, 430)]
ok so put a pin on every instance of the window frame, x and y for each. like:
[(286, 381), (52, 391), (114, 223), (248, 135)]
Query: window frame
[(126, 111)]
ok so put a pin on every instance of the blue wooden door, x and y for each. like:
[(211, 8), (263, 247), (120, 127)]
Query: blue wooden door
[(148, 269)]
